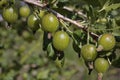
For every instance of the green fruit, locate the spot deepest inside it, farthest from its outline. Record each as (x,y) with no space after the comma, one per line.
(60,40)
(27,36)
(42,13)
(10,15)
(3,3)
(24,11)
(33,22)
(50,23)
(89,52)
(102,20)
(101,65)
(107,41)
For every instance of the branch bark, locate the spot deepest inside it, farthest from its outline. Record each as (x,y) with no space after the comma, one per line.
(35,2)
(74,10)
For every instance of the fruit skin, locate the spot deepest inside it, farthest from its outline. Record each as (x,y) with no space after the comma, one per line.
(2,3)
(101,65)
(27,36)
(60,40)
(102,20)
(24,11)
(33,22)
(10,15)
(49,22)
(107,41)
(42,13)
(89,52)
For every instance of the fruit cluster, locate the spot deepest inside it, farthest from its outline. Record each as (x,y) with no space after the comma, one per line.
(106,42)
(49,23)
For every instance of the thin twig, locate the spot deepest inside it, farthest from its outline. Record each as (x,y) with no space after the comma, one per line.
(61,16)
(109,61)
(36,2)
(74,10)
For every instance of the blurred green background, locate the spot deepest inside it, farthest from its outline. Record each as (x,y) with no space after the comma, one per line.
(22,58)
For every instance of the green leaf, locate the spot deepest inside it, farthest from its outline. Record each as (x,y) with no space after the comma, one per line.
(112,7)
(102,2)
(59,63)
(91,13)
(107,7)
(76,48)
(46,41)
(50,50)
(116,32)
(93,2)
(78,37)
(117,20)
(77,34)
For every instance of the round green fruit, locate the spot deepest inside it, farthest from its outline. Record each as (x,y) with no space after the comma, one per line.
(33,22)
(101,65)
(49,23)
(24,11)
(42,13)
(27,36)
(89,52)
(102,20)
(10,15)
(60,40)
(3,3)
(107,41)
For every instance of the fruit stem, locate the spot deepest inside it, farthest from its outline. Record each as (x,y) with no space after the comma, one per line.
(100,48)
(64,25)
(100,76)
(88,36)
(90,67)
(109,60)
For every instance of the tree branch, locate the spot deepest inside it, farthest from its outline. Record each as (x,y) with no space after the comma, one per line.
(35,2)
(74,10)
